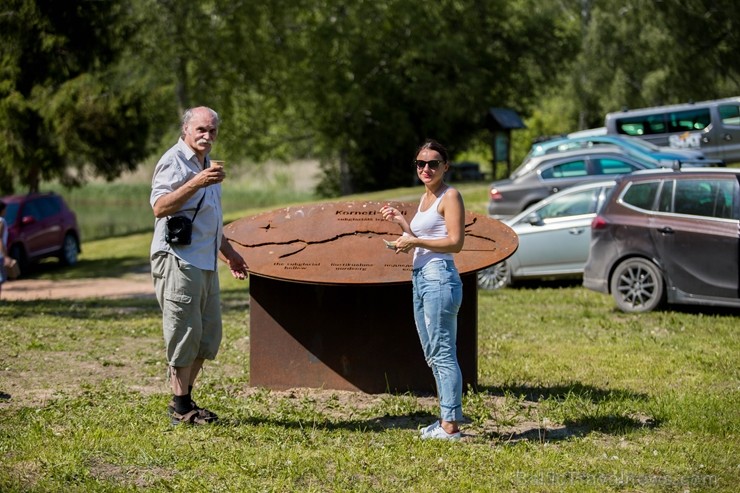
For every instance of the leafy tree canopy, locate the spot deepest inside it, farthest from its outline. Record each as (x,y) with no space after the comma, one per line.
(65,107)
(96,87)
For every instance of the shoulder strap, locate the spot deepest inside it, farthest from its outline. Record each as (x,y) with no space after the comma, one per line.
(199,202)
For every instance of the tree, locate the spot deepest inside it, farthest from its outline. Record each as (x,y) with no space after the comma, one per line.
(705,35)
(377,78)
(66,107)
(95,87)
(357,84)
(636,54)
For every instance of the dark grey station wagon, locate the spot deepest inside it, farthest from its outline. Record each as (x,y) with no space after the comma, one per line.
(668,236)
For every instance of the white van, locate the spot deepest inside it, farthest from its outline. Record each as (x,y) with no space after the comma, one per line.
(711,126)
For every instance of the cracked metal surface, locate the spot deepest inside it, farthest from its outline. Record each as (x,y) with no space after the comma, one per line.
(342,243)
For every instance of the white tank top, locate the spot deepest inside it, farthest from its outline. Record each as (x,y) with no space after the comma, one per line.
(429,225)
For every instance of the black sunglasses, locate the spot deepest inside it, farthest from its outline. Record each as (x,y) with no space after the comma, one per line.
(433,164)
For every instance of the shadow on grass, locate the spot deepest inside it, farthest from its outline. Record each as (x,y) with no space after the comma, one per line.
(97,308)
(538,393)
(235,299)
(411,421)
(591,405)
(87,269)
(534,284)
(523,432)
(721,311)
(112,308)
(611,425)
(530,284)
(582,398)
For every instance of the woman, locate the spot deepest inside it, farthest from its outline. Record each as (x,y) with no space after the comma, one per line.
(435,233)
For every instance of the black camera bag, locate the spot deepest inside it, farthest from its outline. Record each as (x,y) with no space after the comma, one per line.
(179,229)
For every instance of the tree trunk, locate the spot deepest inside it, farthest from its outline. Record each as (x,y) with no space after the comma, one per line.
(33,179)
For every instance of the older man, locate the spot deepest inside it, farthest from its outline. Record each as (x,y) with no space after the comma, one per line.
(184,269)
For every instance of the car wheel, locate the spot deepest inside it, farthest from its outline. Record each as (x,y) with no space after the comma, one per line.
(637,286)
(69,251)
(19,255)
(495,277)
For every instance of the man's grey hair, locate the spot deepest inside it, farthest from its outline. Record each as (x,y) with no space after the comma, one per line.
(189,114)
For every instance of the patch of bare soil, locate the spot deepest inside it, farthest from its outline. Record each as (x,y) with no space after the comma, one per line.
(68,373)
(133,285)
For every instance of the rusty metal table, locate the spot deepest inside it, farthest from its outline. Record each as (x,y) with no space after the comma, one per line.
(331,306)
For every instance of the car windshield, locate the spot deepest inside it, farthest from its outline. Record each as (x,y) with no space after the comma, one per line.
(543,147)
(10,213)
(524,168)
(573,204)
(538,149)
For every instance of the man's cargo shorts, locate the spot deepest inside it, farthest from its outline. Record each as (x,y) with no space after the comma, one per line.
(191,309)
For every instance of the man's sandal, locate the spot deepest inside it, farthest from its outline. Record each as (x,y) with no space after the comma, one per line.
(208,416)
(191,417)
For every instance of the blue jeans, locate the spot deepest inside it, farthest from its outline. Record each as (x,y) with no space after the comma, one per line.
(437,299)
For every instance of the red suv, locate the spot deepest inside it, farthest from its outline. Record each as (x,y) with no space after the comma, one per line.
(41,225)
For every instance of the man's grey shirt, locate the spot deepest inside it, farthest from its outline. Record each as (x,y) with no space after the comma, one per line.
(176,167)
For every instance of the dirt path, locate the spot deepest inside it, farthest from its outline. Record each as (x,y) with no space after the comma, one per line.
(133,285)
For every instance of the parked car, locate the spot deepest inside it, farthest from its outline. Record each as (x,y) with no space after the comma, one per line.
(461,171)
(544,175)
(641,149)
(554,237)
(41,225)
(711,126)
(668,236)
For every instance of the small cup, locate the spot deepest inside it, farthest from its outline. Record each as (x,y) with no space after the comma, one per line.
(215,162)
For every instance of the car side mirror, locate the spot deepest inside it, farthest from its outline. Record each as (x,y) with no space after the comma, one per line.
(534,219)
(28,220)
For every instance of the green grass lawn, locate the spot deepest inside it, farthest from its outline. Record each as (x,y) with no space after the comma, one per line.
(573,396)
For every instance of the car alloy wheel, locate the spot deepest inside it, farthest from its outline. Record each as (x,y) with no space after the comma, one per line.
(637,285)
(495,277)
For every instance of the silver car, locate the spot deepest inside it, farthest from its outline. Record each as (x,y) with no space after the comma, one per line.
(554,237)
(544,175)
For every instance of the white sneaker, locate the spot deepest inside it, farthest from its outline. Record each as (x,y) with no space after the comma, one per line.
(439,433)
(429,428)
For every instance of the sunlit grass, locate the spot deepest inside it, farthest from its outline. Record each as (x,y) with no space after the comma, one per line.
(572,395)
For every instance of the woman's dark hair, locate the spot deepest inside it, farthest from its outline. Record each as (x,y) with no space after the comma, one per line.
(433,145)
(2,206)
